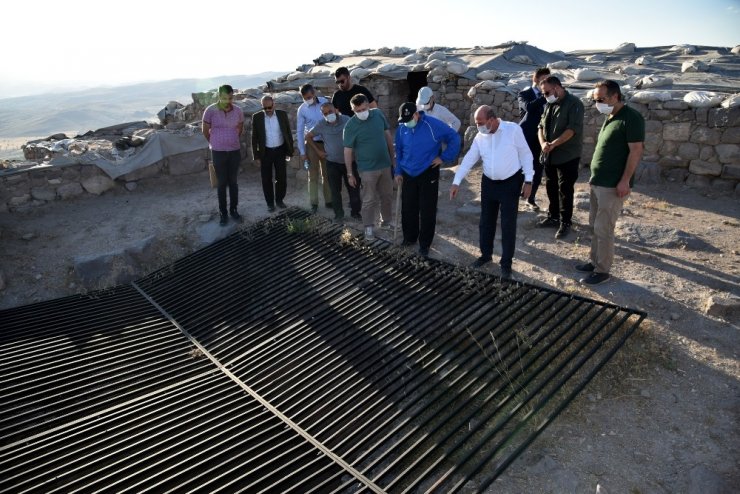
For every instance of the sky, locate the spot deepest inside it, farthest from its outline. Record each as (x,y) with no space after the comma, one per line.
(62,45)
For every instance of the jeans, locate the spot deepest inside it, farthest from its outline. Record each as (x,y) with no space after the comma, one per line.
(274,158)
(503,195)
(419,206)
(337,173)
(560,183)
(226,164)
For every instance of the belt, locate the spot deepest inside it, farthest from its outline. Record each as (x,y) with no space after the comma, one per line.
(272,149)
(518,172)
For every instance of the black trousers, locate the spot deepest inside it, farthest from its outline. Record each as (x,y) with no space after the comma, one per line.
(226,164)
(337,173)
(560,183)
(419,206)
(537,180)
(274,190)
(500,195)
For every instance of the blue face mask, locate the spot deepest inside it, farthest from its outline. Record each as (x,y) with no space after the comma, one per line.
(410,124)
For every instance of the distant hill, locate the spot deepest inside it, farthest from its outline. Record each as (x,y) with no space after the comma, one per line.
(80,111)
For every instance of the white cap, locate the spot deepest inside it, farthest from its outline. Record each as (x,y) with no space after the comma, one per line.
(425,94)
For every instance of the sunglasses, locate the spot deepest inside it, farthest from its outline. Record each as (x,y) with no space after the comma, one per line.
(341,81)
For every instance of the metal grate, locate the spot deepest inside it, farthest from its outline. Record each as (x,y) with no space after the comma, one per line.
(328,365)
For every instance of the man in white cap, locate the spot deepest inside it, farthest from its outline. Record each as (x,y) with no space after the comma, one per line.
(425,102)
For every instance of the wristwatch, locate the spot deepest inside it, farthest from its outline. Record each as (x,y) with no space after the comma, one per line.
(527,183)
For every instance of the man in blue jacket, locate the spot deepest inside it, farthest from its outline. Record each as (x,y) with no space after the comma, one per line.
(419,154)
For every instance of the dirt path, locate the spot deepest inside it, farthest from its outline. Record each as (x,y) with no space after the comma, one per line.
(661,417)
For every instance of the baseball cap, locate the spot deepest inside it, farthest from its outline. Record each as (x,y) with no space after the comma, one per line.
(425,94)
(406,112)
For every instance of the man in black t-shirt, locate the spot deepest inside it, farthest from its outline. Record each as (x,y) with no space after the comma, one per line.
(346,90)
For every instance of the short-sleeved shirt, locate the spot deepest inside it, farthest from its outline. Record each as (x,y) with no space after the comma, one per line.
(612,146)
(332,135)
(367,139)
(341,99)
(224,127)
(556,119)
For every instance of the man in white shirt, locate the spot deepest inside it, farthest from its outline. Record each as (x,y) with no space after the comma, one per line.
(425,102)
(308,115)
(507,162)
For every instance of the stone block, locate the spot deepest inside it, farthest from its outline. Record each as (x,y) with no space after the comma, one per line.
(673,131)
(699,167)
(89,171)
(71,173)
(688,150)
(647,173)
(499,98)
(675,104)
(728,153)
(731,135)
(483,99)
(731,172)
(676,175)
(661,115)
(698,181)
(454,97)
(653,127)
(683,116)
(707,153)
(722,185)
(706,135)
(55,181)
(68,191)
(186,163)
(97,184)
(671,162)
(43,193)
(19,200)
(701,115)
(146,172)
(653,142)
(724,117)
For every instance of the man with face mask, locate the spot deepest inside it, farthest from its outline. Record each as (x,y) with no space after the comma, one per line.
(531,104)
(222,125)
(330,129)
(561,139)
(308,115)
(507,162)
(425,102)
(367,137)
(619,148)
(419,153)
(272,142)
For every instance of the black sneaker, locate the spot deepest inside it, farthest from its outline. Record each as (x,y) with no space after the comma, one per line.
(549,223)
(586,268)
(271,208)
(224,219)
(407,243)
(481,261)
(505,273)
(595,278)
(281,205)
(236,216)
(314,208)
(424,251)
(563,230)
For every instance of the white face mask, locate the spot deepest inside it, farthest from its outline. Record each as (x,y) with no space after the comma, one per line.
(331,118)
(604,108)
(551,99)
(483,129)
(362,115)
(421,107)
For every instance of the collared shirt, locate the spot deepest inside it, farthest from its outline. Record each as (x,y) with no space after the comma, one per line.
(273,136)
(612,146)
(332,137)
(536,90)
(503,153)
(441,113)
(308,117)
(224,127)
(556,119)
(367,139)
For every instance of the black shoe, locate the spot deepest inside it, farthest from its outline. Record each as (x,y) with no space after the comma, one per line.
(237,217)
(271,208)
(281,205)
(424,251)
(329,205)
(505,273)
(549,223)
(481,261)
(314,208)
(586,268)
(224,219)
(357,216)
(563,230)
(339,220)
(407,243)
(533,206)
(595,278)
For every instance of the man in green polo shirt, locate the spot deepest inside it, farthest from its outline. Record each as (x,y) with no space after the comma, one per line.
(561,139)
(618,151)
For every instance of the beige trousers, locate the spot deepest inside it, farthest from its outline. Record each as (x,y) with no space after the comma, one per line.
(317,167)
(377,190)
(605,209)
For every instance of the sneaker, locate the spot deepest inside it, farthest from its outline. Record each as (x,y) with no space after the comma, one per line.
(237,217)
(281,205)
(505,273)
(586,268)
(424,251)
(549,223)
(595,278)
(563,230)
(369,232)
(480,262)
(224,219)
(532,206)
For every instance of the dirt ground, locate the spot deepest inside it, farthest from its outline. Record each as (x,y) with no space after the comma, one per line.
(662,416)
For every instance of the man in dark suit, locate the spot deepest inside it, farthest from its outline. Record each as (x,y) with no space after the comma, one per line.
(272,142)
(531,105)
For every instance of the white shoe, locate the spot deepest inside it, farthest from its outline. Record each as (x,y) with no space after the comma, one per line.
(369,232)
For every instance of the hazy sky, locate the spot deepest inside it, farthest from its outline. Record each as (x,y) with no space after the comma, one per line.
(58,44)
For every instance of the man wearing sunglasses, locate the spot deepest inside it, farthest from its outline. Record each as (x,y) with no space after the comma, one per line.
(346,90)
(272,142)
(619,148)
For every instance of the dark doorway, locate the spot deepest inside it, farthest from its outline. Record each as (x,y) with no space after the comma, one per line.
(416,80)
